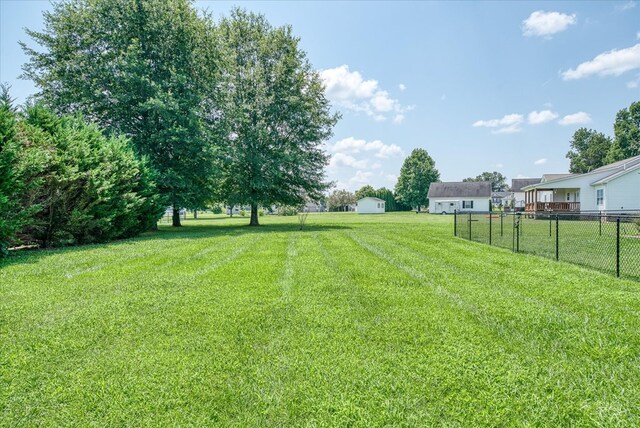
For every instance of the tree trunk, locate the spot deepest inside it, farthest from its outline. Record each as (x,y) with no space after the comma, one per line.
(254,215)
(176,216)
(195,214)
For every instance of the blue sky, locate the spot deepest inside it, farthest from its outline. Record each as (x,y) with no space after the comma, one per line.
(481,86)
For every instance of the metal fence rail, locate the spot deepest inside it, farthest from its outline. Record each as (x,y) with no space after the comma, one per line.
(606,241)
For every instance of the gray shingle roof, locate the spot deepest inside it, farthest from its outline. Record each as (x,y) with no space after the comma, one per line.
(518,183)
(472,189)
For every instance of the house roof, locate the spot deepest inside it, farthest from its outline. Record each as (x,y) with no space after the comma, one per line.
(371,197)
(469,189)
(614,171)
(500,194)
(518,183)
(551,177)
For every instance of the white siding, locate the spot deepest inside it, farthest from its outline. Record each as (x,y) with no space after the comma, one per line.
(449,204)
(623,193)
(370,206)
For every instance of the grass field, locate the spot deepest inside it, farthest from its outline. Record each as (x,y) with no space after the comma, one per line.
(582,240)
(355,321)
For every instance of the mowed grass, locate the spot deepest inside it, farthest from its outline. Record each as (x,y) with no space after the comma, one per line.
(354,321)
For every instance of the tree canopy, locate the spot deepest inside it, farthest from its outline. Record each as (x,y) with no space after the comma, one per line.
(365,191)
(589,150)
(498,181)
(145,69)
(339,200)
(416,175)
(626,130)
(277,113)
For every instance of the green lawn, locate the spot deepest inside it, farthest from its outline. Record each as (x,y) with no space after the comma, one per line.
(586,241)
(355,321)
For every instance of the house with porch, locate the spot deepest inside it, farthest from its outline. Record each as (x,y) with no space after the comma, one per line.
(612,187)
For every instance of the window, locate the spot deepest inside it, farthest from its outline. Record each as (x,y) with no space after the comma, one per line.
(467,204)
(568,197)
(600,197)
(378,204)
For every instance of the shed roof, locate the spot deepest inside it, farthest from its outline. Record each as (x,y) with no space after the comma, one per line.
(468,189)
(371,197)
(518,183)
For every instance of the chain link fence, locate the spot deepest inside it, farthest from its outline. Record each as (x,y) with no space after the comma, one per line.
(606,241)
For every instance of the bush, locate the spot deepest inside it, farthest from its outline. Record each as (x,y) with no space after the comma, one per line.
(217,209)
(78,186)
(243,213)
(12,217)
(287,210)
(260,212)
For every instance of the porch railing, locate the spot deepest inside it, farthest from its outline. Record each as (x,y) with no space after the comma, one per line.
(553,206)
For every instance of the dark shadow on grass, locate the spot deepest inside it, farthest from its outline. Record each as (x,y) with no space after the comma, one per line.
(189,231)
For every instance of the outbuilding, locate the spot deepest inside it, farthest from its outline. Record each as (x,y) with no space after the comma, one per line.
(447,197)
(370,205)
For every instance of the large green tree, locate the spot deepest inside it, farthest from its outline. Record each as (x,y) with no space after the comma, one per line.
(626,129)
(364,191)
(146,69)
(589,150)
(339,200)
(277,113)
(11,214)
(416,175)
(498,181)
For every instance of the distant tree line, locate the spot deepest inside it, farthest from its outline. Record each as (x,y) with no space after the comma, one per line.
(591,149)
(227,111)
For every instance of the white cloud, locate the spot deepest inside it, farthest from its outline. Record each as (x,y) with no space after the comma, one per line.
(611,63)
(539,117)
(522,176)
(499,166)
(392,178)
(540,161)
(399,118)
(341,159)
(626,6)
(635,83)
(348,89)
(509,119)
(361,177)
(509,124)
(579,118)
(511,129)
(352,145)
(541,23)
(638,35)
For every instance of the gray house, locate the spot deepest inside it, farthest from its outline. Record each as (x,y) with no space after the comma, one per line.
(447,197)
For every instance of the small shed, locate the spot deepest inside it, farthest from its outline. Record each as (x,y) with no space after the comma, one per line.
(447,197)
(370,205)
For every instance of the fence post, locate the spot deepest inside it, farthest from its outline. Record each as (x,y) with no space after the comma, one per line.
(600,216)
(469,225)
(490,217)
(513,234)
(455,222)
(518,224)
(618,247)
(550,224)
(557,238)
(501,221)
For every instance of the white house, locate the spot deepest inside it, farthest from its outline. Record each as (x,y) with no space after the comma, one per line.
(370,205)
(612,187)
(447,197)
(518,194)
